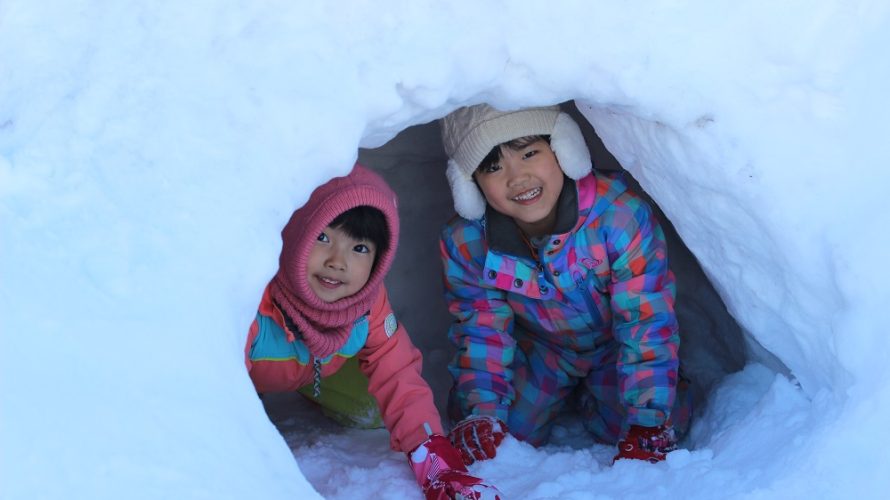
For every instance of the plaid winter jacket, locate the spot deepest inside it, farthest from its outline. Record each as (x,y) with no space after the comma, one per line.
(599,290)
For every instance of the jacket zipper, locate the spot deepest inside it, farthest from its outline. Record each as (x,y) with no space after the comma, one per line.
(588,297)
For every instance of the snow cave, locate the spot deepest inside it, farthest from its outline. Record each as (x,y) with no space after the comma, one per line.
(413,163)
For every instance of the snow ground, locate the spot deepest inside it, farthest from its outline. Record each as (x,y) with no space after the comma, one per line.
(343,463)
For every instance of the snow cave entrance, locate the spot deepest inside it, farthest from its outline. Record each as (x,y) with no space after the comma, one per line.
(413,162)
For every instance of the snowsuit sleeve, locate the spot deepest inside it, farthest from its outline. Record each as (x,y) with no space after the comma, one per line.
(482,329)
(644,324)
(393,367)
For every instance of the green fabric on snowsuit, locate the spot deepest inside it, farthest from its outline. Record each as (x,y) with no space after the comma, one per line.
(344,398)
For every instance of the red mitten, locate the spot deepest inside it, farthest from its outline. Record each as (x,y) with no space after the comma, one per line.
(647,443)
(441,474)
(477,437)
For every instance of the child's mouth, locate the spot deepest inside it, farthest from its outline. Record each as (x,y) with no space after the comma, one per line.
(529,196)
(329,282)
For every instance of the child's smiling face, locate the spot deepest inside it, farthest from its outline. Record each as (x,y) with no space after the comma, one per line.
(339,265)
(524,184)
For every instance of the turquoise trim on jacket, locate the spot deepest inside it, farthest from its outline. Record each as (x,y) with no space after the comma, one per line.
(271,343)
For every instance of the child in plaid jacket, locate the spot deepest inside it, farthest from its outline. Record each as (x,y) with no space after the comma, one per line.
(559,283)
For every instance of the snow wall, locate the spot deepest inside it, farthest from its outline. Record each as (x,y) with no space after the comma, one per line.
(149,155)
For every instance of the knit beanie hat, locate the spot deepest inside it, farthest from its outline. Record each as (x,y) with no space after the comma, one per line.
(325,326)
(470,133)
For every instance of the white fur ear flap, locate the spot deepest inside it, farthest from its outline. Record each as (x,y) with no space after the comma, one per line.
(568,144)
(468,200)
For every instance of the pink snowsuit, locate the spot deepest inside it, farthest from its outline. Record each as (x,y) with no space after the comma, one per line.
(387,357)
(297,338)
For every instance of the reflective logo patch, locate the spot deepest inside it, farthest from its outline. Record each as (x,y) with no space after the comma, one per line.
(390,325)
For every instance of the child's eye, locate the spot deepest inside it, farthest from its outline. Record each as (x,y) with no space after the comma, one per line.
(323,238)
(490,168)
(529,154)
(361,248)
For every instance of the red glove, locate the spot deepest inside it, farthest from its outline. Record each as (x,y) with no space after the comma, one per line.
(441,474)
(647,443)
(477,437)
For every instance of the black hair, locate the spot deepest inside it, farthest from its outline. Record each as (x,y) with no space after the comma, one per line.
(365,223)
(516,144)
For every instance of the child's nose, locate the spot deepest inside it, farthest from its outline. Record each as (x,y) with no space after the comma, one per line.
(516,175)
(335,260)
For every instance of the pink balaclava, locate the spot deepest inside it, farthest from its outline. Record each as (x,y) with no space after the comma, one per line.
(325,326)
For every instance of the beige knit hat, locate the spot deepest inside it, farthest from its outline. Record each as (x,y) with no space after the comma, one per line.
(470,133)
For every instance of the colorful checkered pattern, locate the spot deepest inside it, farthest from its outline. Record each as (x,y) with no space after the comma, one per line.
(594,314)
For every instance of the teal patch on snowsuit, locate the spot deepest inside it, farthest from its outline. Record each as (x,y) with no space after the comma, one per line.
(271,343)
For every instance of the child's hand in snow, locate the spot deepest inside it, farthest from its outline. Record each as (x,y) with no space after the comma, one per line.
(647,443)
(441,473)
(477,437)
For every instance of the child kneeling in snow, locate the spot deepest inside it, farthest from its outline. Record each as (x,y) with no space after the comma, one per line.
(327,304)
(559,282)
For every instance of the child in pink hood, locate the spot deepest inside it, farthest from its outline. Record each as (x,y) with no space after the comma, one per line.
(327,304)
